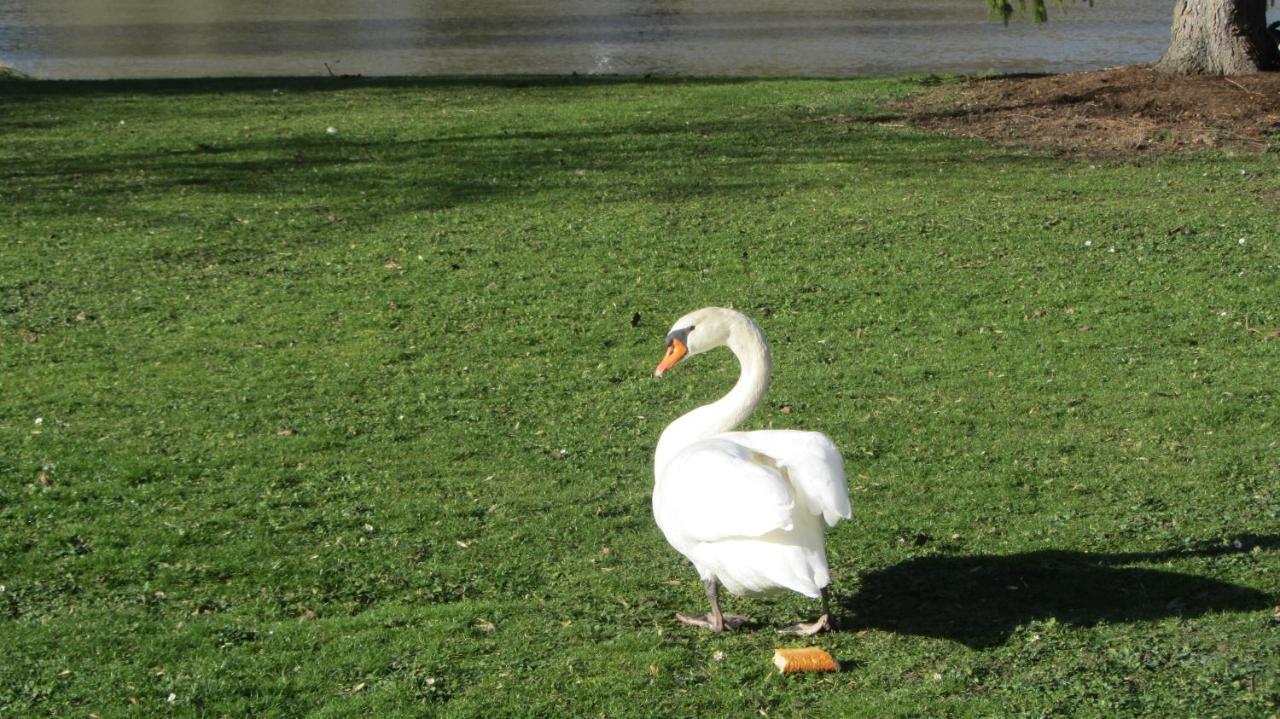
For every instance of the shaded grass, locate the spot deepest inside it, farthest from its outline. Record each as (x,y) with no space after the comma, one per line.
(361,423)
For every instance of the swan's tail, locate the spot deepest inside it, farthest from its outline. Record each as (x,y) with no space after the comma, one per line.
(794,559)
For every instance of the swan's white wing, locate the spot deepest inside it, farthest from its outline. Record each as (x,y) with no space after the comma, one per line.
(714,489)
(811,461)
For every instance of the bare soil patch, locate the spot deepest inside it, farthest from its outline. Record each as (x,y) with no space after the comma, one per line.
(1123,111)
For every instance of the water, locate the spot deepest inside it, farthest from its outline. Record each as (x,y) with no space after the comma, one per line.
(94,39)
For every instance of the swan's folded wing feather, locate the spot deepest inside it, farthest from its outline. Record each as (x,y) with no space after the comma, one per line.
(811,461)
(714,490)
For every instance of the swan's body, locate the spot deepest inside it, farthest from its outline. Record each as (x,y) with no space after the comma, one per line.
(748,509)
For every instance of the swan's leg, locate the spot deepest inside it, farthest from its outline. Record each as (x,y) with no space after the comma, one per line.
(716,621)
(823,624)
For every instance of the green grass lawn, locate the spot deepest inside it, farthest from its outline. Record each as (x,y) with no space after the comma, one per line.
(361,423)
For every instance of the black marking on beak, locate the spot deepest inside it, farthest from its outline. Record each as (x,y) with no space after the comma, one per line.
(681,334)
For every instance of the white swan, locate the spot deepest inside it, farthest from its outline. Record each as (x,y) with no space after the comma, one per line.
(747,508)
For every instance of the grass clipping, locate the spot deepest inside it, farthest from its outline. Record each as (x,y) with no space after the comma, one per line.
(806,659)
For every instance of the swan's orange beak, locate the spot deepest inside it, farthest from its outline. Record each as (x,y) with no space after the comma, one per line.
(675,351)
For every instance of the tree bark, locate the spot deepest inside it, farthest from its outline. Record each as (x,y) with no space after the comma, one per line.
(1220,37)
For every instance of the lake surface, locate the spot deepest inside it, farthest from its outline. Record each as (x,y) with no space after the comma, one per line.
(96,39)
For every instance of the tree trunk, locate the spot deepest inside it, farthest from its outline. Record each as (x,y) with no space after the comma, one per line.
(1220,37)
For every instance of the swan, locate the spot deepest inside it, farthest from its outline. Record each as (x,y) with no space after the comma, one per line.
(746,508)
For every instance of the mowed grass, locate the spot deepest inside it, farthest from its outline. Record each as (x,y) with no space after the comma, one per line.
(361,424)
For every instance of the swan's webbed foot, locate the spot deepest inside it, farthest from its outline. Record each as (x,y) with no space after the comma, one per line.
(716,623)
(824,623)
(807,630)
(716,620)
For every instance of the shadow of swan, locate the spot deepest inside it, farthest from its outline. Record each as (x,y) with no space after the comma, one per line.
(980,600)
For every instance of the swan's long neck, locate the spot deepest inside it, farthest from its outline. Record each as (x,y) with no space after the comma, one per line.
(748,345)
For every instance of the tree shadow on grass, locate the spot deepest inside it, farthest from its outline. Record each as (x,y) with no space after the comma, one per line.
(980,600)
(424,166)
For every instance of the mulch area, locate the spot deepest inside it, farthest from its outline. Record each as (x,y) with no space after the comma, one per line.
(1124,111)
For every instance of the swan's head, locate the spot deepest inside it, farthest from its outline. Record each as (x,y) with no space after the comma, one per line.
(696,332)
